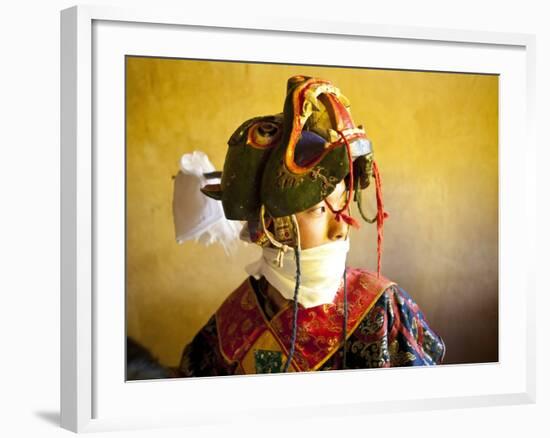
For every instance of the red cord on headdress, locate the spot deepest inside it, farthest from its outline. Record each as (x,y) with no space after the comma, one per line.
(341,214)
(381,215)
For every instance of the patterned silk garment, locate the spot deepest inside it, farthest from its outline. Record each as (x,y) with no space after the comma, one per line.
(385,328)
(393,334)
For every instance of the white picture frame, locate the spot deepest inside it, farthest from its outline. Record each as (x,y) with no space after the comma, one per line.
(93,397)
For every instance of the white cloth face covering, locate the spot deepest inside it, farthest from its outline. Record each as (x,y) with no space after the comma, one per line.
(321,268)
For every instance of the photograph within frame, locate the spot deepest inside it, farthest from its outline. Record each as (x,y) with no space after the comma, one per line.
(435,137)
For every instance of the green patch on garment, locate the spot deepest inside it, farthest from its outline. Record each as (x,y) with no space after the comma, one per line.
(268,361)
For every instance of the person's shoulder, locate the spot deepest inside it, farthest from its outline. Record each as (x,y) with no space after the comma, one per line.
(367,279)
(386,290)
(366,288)
(241,292)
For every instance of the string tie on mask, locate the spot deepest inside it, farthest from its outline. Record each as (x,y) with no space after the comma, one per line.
(281,247)
(342,214)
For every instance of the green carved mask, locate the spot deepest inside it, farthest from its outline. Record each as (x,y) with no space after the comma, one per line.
(291,161)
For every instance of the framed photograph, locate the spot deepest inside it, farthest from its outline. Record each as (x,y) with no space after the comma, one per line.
(448,115)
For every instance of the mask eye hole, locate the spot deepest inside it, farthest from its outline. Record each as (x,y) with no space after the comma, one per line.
(264,134)
(267,129)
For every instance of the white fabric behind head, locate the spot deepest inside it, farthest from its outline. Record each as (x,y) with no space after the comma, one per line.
(196,216)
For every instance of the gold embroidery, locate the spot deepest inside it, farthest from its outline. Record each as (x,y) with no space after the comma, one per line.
(302,335)
(399,358)
(374,354)
(247,302)
(374,322)
(232,328)
(246,326)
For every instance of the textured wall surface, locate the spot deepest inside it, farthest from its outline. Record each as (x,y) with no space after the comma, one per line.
(436,142)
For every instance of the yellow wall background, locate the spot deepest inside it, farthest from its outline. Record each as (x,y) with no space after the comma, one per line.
(436,142)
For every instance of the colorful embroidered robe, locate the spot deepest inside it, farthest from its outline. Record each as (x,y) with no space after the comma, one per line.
(385,328)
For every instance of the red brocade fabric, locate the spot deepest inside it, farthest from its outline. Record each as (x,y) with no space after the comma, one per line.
(385,328)
(241,322)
